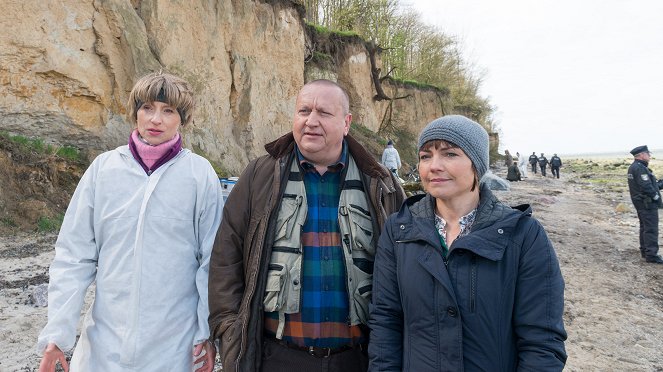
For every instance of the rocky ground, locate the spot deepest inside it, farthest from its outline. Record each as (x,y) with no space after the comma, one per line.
(614,301)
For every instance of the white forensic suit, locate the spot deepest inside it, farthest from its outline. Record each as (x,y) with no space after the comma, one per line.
(146,240)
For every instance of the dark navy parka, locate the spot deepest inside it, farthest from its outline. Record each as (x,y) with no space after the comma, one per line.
(495,304)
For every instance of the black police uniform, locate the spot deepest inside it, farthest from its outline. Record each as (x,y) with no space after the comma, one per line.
(555,163)
(533,160)
(646,198)
(543,162)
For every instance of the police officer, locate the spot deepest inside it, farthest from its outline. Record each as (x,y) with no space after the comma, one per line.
(533,160)
(646,198)
(543,163)
(555,164)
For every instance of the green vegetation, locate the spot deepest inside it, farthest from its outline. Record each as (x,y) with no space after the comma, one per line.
(8,222)
(49,224)
(411,51)
(321,57)
(325,31)
(37,145)
(69,153)
(418,84)
(220,170)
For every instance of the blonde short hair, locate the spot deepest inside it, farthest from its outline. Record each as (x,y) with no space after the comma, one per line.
(162,87)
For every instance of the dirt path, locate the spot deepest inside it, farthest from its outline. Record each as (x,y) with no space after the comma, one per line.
(614,301)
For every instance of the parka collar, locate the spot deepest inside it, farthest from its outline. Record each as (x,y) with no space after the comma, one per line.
(490,234)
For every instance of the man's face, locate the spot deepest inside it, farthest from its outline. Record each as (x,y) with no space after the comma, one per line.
(644,156)
(320,123)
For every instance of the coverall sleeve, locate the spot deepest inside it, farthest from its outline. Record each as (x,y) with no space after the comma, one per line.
(385,350)
(398,159)
(539,304)
(208,219)
(74,267)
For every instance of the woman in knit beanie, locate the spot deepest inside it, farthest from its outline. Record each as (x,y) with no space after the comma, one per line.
(462,281)
(141,225)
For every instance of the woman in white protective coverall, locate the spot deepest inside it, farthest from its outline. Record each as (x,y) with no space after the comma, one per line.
(141,223)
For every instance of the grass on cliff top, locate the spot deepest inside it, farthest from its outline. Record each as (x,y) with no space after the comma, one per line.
(324,31)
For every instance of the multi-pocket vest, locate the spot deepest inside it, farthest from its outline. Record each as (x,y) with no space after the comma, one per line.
(358,241)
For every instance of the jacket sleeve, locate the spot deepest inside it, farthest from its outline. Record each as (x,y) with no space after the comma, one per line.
(385,350)
(398,159)
(208,219)
(539,304)
(384,156)
(226,271)
(74,267)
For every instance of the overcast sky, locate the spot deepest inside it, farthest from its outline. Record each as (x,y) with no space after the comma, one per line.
(567,76)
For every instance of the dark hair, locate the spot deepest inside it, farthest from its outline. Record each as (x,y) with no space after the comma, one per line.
(437,144)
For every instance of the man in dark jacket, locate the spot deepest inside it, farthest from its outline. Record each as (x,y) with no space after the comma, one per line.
(555,164)
(533,161)
(646,198)
(543,163)
(292,264)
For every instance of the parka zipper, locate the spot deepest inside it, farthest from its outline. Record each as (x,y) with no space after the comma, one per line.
(473,283)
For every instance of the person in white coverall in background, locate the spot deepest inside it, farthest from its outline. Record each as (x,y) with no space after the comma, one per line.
(141,223)
(390,158)
(522,164)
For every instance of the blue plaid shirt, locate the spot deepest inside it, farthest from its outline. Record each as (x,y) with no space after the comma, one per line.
(323,320)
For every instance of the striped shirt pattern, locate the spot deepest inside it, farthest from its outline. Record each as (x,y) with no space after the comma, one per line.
(323,320)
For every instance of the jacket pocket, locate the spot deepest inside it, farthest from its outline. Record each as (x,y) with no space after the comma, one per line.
(274,291)
(291,218)
(361,228)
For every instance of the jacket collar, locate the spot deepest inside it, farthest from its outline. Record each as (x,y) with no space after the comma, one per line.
(494,225)
(285,145)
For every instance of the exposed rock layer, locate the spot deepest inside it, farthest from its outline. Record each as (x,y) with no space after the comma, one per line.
(66,69)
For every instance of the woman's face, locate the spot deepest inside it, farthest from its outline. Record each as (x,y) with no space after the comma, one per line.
(446,172)
(157,122)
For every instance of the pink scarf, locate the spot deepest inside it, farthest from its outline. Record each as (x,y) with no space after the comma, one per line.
(149,155)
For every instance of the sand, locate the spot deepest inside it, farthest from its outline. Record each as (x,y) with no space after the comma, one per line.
(613,299)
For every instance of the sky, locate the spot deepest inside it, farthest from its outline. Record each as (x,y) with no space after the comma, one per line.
(565,76)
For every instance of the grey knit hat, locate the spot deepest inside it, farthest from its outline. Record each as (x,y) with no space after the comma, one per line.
(462,132)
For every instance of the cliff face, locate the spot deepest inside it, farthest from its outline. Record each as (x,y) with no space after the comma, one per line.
(66,69)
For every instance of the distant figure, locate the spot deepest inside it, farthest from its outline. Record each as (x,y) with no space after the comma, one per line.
(533,161)
(390,158)
(646,198)
(555,164)
(543,163)
(513,173)
(522,164)
(508,158)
